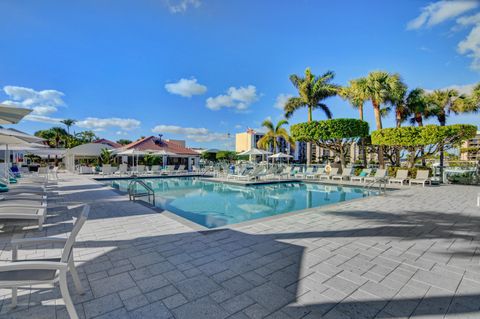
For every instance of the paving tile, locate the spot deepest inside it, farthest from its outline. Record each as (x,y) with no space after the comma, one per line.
(237,303)
(102,305)
(203,308)
(151,311)
(174,301)
(111,284)
(197,287)
(152,283)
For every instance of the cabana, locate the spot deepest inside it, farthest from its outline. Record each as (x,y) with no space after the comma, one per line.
(84,151)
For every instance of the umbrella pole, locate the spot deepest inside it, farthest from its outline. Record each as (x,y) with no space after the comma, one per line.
(5,163)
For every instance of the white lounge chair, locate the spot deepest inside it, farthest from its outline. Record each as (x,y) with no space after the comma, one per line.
(401,177)
(346,174)
(363,174)
(421,178)
(333,172)
(24,211)
(26,273)
(320,171)
(122,170)
(379,175)
(304,174)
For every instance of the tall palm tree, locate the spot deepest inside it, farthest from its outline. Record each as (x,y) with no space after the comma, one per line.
(59,135)
(274,132)
(417,106)
(87,136)
(381,88)
(312,90)
(68,123)
(355,93)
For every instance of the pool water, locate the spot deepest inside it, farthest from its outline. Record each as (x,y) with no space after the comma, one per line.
(214,204)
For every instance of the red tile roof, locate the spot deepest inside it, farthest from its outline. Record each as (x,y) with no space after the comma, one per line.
(154,143)
(108,142)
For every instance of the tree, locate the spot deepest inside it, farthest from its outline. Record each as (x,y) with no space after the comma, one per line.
(312,90)
(336,135)
(106,156)
(226,156)
(86,136)
(417,106)
(47,135)
(382,88)
(270,139)
(124,141)
(424,141)
(68,123)
(355,93)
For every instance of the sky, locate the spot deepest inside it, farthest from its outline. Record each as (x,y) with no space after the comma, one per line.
(203,70)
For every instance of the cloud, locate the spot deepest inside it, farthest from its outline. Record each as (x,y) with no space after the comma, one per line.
(438,12)
(178,130)
(186,87)
(98,124)
(42,119)
(238,98)
(196,134)
(179,6)
(238,126)
(462,89)
(470,46)
(41,102)
(281,100)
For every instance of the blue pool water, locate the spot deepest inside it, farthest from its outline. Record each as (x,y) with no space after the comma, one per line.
(214,204)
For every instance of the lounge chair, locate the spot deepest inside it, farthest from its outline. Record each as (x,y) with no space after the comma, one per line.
(242,173)
(320,171)
(122,170)
(363,174)
(401,177)
(346,174)
(308,171)
(380,174)
(421,178)
(333,172)
(24,211)
(255,173)
(180,170)
(155,169)
(26,273)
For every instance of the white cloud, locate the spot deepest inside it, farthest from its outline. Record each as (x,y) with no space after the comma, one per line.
(179,6)
(462,89)
(186,87)
(470,46)
(41,102)
(438,12)
(238,98)
(178,130)
(238,126)
(98,124)
(281,100)
(196,134)
(42,119)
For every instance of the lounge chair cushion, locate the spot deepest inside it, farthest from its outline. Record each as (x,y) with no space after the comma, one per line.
(363,174)
(3,189)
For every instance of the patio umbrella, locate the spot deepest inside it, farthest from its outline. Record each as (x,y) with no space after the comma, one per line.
(133,152)
(255,151)
(12,115)
(165,154)
(281,155)
(12,136)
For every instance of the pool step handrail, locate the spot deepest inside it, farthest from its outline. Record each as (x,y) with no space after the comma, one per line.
(380,181)
(132,194)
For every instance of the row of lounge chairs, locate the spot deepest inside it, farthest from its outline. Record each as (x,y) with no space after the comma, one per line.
(27,199)
(401,177)
(123,170)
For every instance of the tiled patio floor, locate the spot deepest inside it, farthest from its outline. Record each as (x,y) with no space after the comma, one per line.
(412,253)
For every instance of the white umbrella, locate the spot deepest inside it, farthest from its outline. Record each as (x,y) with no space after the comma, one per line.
(255,151)
(133,152)
(280,155)
(162,153)
(12,115)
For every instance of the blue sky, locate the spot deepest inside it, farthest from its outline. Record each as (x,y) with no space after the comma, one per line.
(199,69)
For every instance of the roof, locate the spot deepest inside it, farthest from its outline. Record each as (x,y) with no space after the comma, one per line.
(88,150)
(155,143)
(108,142)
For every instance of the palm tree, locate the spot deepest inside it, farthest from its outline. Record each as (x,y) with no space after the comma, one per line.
(382,88)
(312,90)
(417,106)
(356,95)
(47,135)
(270,139)
(86,136)
(59,135)
(68,123)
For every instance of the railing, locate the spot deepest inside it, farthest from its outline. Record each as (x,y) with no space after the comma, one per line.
(380,182)
(133,194)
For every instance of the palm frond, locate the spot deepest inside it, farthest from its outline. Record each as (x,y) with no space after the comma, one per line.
(293,104)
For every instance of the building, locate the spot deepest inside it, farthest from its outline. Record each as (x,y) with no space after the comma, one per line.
(470,149)
(183,155)
(108,142)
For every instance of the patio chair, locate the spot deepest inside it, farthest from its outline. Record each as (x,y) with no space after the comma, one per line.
(421,178)
(122,169)
(155,169)
(363,174)
(180,170)
(401,177)
(346,174)
(17,210)
(106,169)
(26,273)
(140,169)
(317,173)
(333,172)
(308,171)
(380,174)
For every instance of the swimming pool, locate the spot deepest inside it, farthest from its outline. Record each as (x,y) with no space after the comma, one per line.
(213,204)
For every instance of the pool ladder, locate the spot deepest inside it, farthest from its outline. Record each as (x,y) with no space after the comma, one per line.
(133,194)
(382,185)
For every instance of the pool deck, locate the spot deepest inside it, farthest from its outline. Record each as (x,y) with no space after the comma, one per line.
(411,253)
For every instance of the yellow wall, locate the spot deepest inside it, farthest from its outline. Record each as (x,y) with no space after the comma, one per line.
(243,142)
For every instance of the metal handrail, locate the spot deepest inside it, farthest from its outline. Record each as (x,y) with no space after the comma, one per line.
(380,181)
(132,191)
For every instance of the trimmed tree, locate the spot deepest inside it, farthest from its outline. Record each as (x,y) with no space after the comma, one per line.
(336,135)
(429,138)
